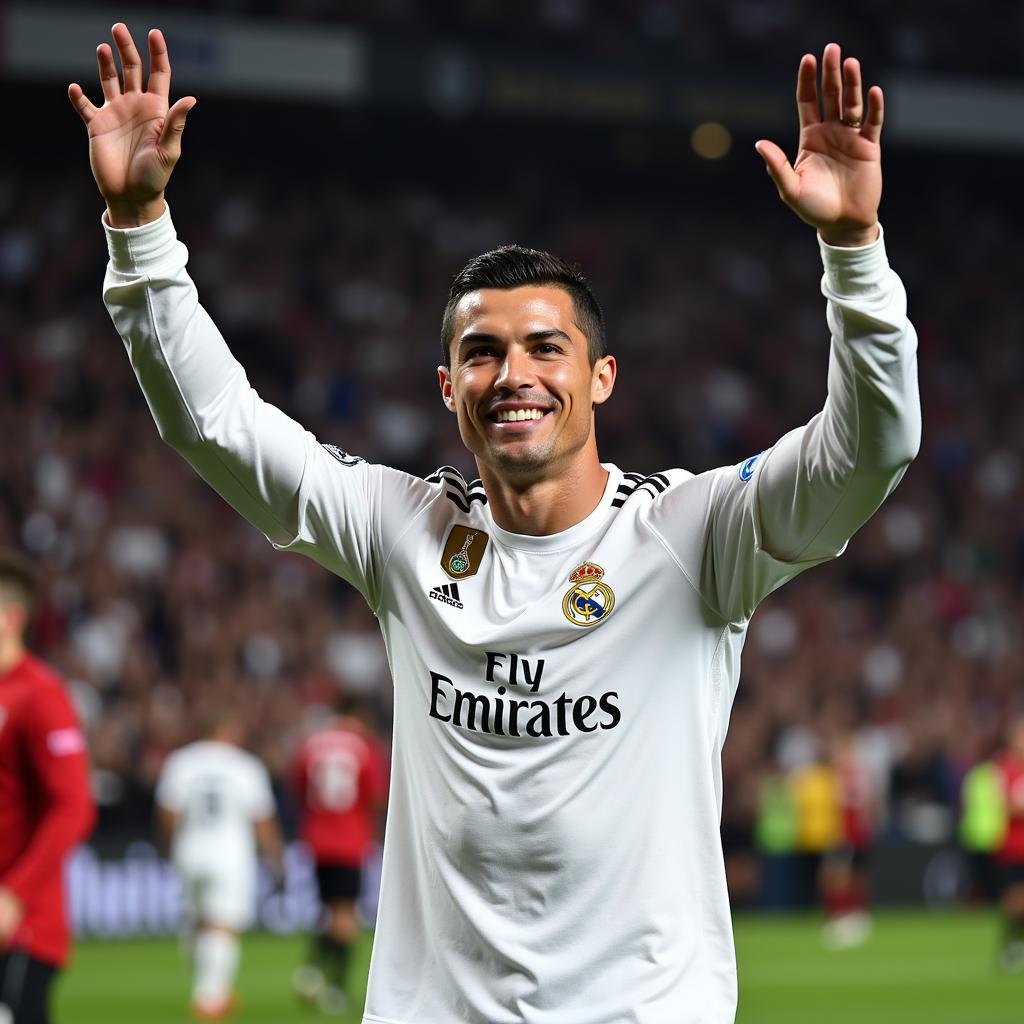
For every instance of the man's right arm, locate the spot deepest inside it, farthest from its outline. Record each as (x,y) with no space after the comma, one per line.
(203,405)
(250,452)
(267,466)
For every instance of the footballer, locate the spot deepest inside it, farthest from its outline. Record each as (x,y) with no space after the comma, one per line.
(564,635)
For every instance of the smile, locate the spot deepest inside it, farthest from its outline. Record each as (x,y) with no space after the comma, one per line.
(517,415)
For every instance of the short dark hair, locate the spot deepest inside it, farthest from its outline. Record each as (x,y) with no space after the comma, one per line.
(221,712)
(513,266)
(346,703)
(19,582)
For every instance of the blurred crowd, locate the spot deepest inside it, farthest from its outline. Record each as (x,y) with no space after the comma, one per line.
(925,35)
(160,598)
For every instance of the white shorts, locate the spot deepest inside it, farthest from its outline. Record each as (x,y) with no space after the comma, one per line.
(218,890)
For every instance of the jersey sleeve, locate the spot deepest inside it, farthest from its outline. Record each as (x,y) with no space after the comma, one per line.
(57,760)
(170,787)
(302,495)
(799,502)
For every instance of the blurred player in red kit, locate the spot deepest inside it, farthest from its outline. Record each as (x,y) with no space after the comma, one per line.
(845,886)
(340,779)
(1010,855)
(45,807)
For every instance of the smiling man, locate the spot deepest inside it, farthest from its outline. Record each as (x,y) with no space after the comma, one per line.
(564,636)
(524,365)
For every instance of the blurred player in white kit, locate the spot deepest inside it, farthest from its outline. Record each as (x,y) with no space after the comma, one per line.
(215,809)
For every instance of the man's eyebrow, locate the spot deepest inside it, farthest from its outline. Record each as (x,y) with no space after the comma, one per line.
(551,332)
(482,337)
(478,337)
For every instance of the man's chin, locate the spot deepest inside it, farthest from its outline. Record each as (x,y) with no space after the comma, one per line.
(519,458)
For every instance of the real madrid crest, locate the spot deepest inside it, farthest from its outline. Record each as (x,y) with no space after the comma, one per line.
(589,600)
(463,552)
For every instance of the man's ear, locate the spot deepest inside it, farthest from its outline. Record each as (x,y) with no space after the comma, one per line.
(602,380)
(444,378)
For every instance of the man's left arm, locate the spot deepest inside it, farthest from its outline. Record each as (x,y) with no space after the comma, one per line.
(819,484)
(59,762)
(801,501)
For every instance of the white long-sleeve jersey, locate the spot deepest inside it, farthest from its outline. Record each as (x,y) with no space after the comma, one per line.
(552,851)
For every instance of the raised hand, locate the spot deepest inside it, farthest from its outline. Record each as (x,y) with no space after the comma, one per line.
(835,183)
(134,139)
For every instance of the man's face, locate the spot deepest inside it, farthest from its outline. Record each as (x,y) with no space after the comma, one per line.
(12,620)
(520,381)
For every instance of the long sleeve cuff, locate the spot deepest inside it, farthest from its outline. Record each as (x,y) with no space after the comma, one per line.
(144,249)
(853,272)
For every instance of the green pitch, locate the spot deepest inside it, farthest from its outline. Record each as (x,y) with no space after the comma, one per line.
(915,969)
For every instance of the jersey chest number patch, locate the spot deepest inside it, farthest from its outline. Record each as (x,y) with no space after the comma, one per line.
(463,552)
(589,600)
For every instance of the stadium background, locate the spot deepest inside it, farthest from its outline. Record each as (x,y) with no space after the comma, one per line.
(343,161)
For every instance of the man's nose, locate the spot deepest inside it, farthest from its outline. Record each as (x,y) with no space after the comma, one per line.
(516,370)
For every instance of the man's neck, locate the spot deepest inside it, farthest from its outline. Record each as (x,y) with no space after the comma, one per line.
(11,652)
(541,507)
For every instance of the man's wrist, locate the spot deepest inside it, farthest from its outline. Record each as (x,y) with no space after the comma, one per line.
(146,248)
(851,272)
(849,238)
(134,215)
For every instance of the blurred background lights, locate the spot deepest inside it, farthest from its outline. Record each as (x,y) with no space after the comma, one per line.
(711,140)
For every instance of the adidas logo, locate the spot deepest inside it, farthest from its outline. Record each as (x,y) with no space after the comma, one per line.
(447,594)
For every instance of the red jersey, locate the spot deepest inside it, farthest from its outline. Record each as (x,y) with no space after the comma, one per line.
(46,804)
(340,778)
(855,797)
(1011,770)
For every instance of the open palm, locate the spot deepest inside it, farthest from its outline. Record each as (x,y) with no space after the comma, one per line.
(835,183)
(134,138)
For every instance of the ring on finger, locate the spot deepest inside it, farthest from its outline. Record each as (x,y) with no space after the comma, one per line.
(853,122)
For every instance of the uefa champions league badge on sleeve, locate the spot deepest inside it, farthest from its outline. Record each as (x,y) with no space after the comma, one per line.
(746,469)
(590,600)
(463,552)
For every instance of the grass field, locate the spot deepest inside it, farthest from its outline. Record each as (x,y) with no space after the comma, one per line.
(916,969)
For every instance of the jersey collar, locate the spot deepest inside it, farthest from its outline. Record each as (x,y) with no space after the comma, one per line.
(566,538)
